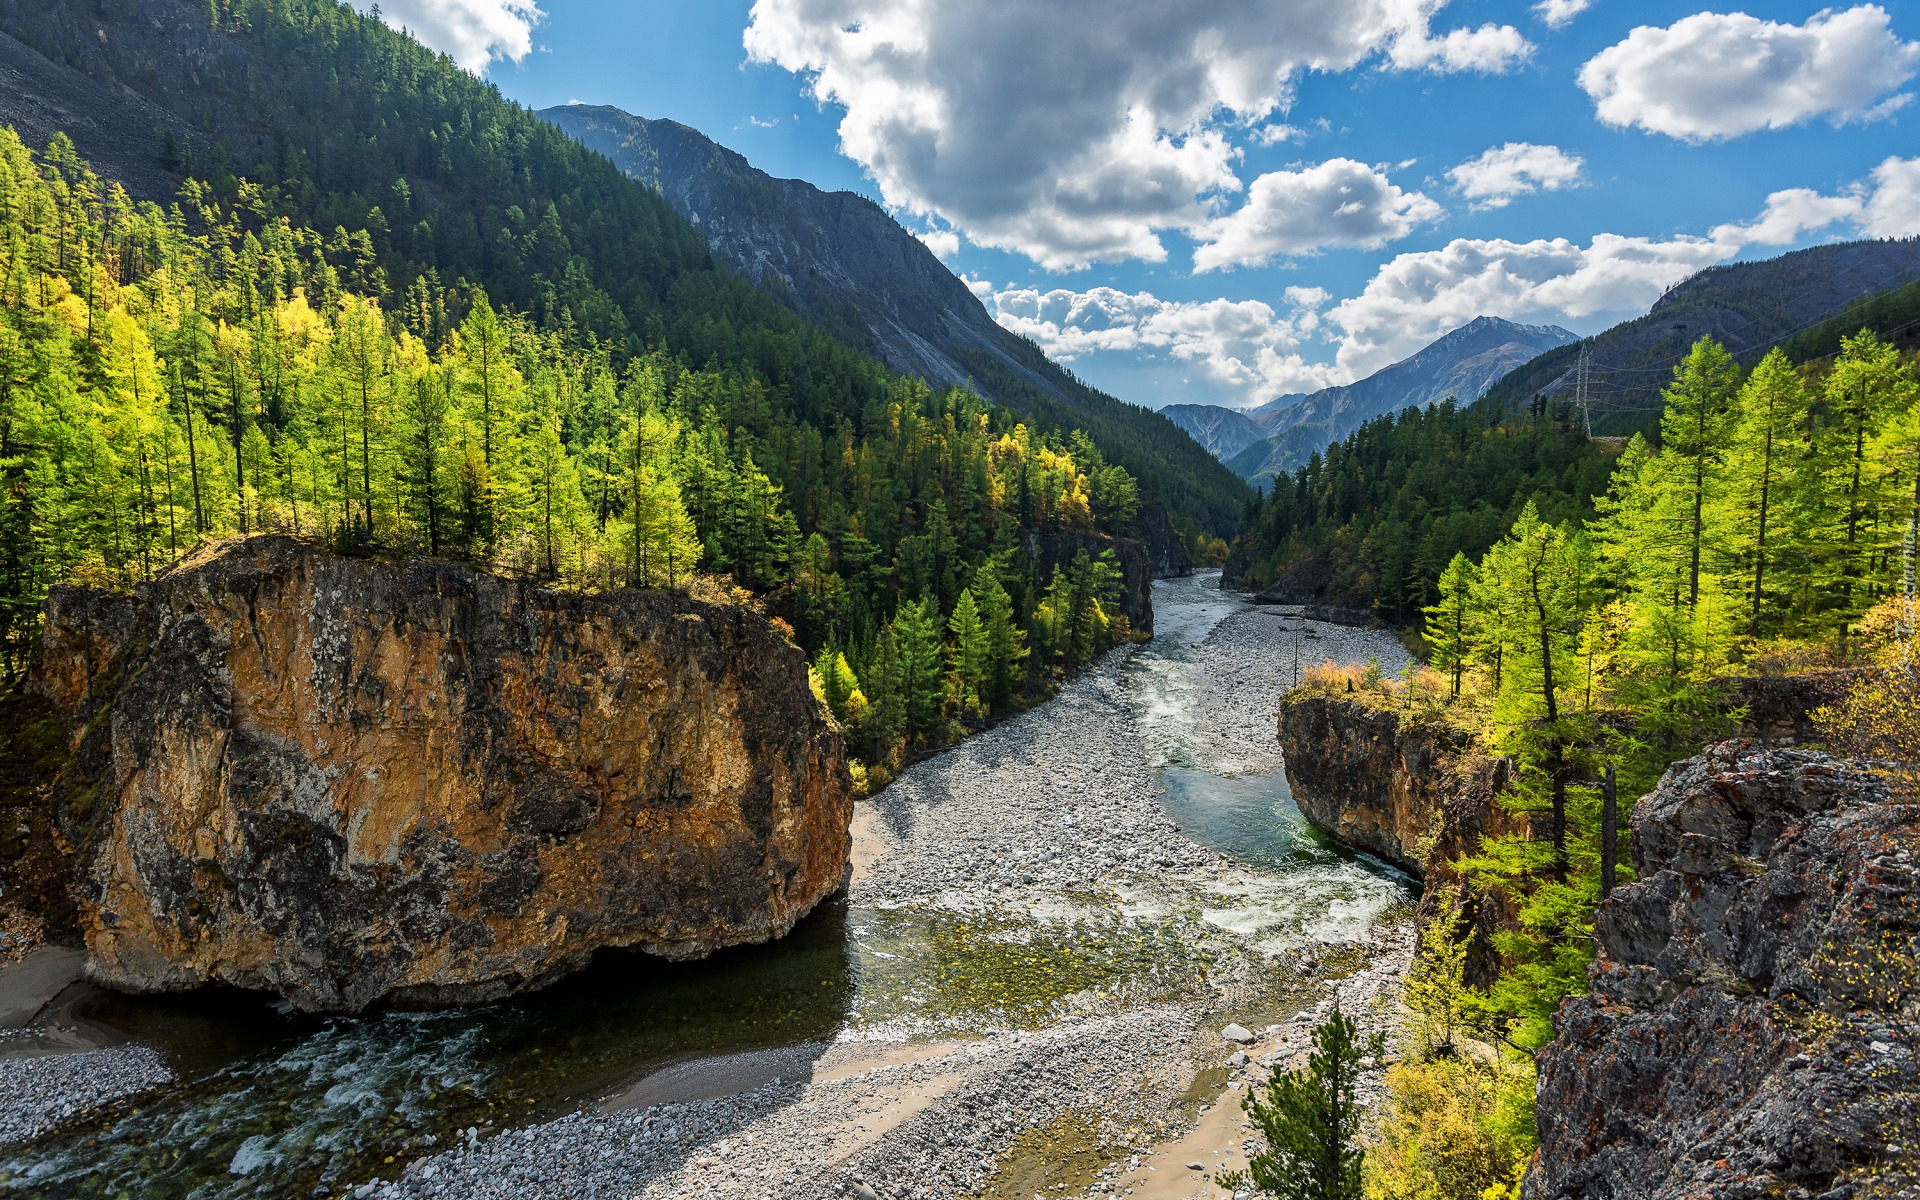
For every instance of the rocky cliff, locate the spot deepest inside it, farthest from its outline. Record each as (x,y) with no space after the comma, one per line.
(1417,794)
(1752,1026)
(350,781)
(1163,546)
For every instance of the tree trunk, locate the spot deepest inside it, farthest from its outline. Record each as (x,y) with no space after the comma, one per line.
(1760,544)
(1699,508)
(1559,817)
(193,461)
(1609,830)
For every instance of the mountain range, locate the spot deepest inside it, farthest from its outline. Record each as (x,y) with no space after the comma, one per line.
(1748,307)
(1281,435)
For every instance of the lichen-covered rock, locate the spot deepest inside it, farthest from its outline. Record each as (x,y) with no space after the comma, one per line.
(350,781)
(1751,1029)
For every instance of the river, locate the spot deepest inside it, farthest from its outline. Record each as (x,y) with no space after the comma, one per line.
(275,1104)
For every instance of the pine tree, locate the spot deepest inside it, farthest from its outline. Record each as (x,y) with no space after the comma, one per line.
(887,699)
(423,436)
(1772,416)
(1436,988)
(1868,386)
(1450,622)
(1311,1120)
(491,383)
(970,654)
(1694,432)
(1006,641)
(554,482)
(918,641)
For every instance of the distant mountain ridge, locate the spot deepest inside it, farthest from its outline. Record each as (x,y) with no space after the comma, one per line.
(1282,434)
(844,263)
(1747,307)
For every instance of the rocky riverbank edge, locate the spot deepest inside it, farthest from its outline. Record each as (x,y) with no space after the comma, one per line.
(1141,1102)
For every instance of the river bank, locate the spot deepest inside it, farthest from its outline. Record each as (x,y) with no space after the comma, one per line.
(1122,862)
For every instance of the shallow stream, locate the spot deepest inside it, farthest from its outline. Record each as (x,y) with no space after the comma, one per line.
(272,1104)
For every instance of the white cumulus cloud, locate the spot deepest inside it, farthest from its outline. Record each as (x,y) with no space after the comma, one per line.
(1558,14)
(473,33)
(944,243)
(1245,346)
(1074,135)
(1339,203)
(1260,351)
(1885,204)
(1892,209)
(1493,179)
(1417,297)
(1790,215)
(1490,49)
(1718,75)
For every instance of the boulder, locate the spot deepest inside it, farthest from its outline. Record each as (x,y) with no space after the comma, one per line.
(350,781)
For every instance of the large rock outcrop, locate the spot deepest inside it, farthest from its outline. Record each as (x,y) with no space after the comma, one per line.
(1751,1028)
(1164,550)
(1418,794)
(350,781)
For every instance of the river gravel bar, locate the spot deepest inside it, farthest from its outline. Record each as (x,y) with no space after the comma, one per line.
(1055,811)
(46,1091)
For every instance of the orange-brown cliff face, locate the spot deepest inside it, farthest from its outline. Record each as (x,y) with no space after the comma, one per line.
(350,781)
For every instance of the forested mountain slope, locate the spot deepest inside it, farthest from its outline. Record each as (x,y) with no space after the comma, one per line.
(386,309)
(844,263)
(1463,364)
(1746,307)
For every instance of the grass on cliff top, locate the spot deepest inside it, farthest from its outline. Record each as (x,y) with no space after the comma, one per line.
(1420,696)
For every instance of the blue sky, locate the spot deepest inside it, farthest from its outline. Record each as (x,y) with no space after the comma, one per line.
(1224,200)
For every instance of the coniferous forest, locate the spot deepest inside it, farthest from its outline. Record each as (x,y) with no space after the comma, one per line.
(1377,520)
(212,370)
(1768,528)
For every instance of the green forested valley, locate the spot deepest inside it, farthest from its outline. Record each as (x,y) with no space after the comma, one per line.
(213,370)
(425,182)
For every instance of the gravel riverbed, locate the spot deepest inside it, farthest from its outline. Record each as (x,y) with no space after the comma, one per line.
(44,1091)
(1055,812)
(1049,829)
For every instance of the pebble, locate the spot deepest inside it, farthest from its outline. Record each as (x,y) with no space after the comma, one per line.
(43,1092)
